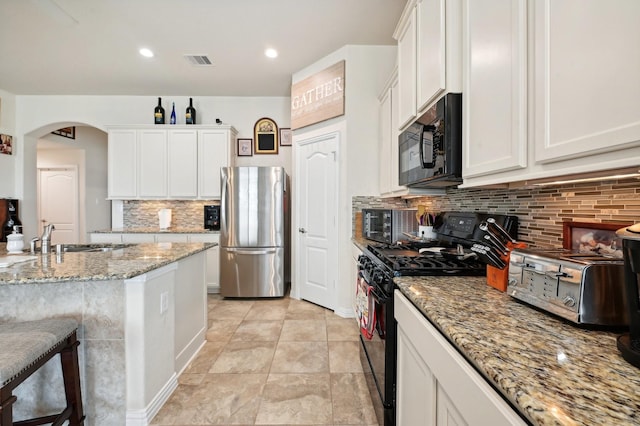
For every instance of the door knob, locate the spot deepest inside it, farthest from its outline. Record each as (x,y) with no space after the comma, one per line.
(302,230)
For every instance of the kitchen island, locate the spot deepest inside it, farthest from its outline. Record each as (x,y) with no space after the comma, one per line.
(143,316)
(550,371)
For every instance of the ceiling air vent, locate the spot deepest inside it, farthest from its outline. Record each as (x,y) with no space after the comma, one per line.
(199,60)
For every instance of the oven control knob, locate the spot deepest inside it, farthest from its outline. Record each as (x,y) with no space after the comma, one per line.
(569,301)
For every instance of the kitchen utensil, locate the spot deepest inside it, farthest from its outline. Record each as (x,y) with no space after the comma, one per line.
(496,245)
(419,214)
(487,253)
(500,229)
(458,253)
(492,237)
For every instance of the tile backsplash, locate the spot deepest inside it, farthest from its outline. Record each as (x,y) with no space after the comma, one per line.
(540,210)
(184,214)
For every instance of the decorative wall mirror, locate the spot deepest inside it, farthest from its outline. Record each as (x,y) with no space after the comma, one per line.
(265,137)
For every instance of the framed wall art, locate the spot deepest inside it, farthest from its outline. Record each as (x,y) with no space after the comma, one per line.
(595,238)
(245,147)
(265,133)
(6,144)
(67,132)
(285,136)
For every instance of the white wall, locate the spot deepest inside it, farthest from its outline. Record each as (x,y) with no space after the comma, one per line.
(7,127)
(367,68)
(36,116)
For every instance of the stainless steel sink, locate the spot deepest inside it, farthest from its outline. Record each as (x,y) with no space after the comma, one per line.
(76,248)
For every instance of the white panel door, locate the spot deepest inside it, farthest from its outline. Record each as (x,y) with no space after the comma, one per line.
(152,163)
(58,203)
(183,163)
(213,153)
(317,222)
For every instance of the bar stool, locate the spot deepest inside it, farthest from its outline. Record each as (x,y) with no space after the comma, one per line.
(27,346)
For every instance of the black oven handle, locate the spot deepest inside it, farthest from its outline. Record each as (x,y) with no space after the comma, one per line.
(377,294)
(427,128)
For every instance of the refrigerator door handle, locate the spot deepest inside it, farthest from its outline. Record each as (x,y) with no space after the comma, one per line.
(241,251)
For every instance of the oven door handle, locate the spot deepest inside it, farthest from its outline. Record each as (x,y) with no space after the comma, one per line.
(380,297)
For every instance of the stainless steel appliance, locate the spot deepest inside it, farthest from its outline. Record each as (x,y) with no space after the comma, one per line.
(253,232)
(377,266)
(629,343)
(212,217)
(388,225)
(431,147)
(584,288)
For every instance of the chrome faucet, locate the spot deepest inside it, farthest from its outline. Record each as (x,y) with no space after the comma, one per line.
(45,239)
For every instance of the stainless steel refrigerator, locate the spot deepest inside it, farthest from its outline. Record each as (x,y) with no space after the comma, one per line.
(254,232)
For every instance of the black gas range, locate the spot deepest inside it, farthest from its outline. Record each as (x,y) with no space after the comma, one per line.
(449,254)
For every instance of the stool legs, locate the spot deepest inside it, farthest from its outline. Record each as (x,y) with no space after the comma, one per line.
(68,350)
(71,374)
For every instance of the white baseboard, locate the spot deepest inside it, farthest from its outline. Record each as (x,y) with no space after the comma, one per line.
(144,417)
(213,289)
(344,312)
(190,350)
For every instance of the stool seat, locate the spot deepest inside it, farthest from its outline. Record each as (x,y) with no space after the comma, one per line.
(24,343)
(27,346)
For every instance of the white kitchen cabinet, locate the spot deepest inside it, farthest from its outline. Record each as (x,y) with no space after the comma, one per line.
(105,238)
(429,55)
(122,160)
(582,90)
(495,86)
(183,163)
(215,147)
(586,85)
(168,162)
(435,383)
(213,260)
(137,238)
(170,237)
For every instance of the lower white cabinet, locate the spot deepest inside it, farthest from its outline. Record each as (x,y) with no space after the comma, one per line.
(212,274)
(436,384)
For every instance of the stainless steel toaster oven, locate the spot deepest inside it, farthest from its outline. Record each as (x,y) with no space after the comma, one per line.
(388,225)
(584,288)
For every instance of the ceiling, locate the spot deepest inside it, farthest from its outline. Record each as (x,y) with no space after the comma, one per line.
(90,47)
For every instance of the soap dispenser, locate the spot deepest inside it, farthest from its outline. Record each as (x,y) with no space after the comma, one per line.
(15,241)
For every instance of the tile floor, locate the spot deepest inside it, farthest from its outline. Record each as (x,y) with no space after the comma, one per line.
(272,362)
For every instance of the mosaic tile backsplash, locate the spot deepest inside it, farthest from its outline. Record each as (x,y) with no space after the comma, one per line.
(184,214)
(540,211)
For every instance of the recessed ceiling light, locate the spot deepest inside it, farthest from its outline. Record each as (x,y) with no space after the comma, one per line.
(147,53)
(271,53)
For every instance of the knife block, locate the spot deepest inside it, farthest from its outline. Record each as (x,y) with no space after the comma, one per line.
(499,278)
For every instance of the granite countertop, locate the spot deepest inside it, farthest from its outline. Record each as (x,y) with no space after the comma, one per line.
(553,372)
(117,264)
(154,230)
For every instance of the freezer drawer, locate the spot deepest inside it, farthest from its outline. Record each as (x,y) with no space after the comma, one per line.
(252,272)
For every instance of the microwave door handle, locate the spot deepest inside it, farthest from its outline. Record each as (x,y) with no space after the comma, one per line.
(430,164)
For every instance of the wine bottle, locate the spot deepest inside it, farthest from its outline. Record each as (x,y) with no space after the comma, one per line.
(158,113)
(173,113)
(190,116)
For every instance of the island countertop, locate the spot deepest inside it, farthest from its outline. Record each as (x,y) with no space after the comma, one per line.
(155,230)
(553,372)
(117,264)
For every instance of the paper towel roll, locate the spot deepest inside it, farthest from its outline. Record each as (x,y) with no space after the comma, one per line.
(164,215)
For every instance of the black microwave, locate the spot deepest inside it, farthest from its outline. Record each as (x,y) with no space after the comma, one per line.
(431,147)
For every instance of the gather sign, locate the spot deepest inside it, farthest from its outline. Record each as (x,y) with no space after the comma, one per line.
(318,97)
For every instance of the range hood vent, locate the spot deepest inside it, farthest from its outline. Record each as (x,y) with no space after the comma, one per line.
(199,60)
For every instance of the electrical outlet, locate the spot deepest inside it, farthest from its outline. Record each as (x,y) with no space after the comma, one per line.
(164,302)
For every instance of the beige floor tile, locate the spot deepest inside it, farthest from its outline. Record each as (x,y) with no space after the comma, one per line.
(245,357)
(267,312)
(296,399)
(303,331)
(226,399)
(222,330)
(230,309)
(301,357)
(342,329)
(258,331)
(351,403)
(344,357)
(301,309)
(205,358)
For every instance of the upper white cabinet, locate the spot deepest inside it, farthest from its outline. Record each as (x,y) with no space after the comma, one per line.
(122,159)
(563,102)
(168,162)
(587,84)
(429,55)
(214,152)
(495,86)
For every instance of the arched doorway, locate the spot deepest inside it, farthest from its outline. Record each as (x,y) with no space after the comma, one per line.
(59,158)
